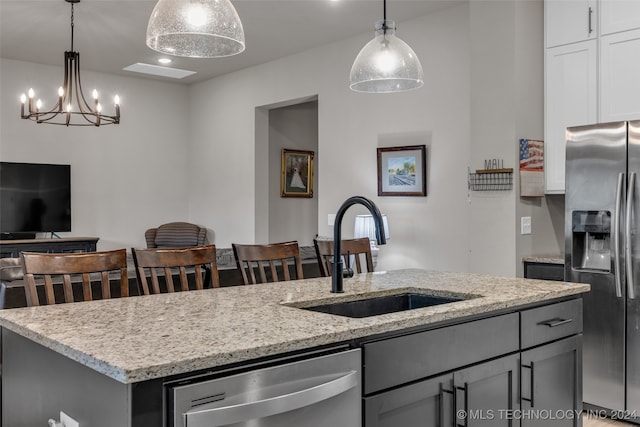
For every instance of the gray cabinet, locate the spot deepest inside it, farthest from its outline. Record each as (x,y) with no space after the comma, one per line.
(426,403)
(481,395)
(543,271)
(432,399)
(514,370)
(552,381)
(551,364)
(487,394)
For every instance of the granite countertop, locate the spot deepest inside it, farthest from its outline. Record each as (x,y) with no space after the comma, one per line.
(545,259)
(140,338)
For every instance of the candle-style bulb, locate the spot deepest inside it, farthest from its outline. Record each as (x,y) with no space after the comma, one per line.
(23,98)
(99,108)
(60,91)
(31,93)
(95,94)
(69,107)
(116,100)
(38,104)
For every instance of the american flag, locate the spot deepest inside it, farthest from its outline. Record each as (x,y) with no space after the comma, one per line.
(531,154)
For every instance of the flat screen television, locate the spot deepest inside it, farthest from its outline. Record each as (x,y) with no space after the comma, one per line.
(34,198)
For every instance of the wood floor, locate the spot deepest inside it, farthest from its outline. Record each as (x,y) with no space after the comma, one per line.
(596,422)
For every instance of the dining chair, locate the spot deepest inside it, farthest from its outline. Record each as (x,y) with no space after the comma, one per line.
(256,257)
(73,268)
(165,263)
(352,250)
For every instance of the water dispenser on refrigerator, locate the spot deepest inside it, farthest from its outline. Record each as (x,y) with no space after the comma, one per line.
(591,240)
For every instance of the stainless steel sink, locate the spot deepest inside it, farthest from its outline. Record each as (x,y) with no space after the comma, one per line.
(383,304)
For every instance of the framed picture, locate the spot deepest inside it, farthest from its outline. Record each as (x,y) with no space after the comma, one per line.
(296,178)
(402,171)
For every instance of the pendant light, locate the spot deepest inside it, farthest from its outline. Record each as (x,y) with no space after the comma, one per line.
(386,64)
(195,28)
(72,109)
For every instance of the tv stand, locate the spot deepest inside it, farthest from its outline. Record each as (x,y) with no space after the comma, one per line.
(17,236)
(12,248)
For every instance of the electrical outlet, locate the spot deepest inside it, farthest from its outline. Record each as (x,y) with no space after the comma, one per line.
(525,225)
(331,219)
(67,421)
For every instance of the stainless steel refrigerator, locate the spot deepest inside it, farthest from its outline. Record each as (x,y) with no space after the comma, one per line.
(602,248)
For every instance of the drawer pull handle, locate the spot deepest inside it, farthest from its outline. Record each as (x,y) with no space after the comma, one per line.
(555,322)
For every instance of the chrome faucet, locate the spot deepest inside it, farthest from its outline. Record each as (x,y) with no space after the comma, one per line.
(337,274)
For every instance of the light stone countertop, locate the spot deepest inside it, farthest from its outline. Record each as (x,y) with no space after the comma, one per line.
(140,338)
(546,259)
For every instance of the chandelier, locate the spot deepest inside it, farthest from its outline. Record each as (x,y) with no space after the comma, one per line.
(386,64)
(72,108)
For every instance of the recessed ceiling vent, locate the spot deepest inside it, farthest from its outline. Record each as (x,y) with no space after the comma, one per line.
(157,70)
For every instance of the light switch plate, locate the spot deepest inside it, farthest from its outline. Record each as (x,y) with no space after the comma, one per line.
(525,225)
(67,421)
(331,219)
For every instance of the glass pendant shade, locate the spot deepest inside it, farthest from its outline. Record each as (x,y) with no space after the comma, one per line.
(386,64)
(195,28)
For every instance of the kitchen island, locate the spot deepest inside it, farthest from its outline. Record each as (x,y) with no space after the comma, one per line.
(71,356)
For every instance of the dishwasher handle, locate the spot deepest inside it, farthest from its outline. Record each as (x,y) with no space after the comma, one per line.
(272,406)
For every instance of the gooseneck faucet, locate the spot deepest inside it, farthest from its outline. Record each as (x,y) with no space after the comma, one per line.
(336,276)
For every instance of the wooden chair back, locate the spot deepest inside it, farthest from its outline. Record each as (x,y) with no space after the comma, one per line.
(256,257)
(164,263)
(53,266)
(359,248)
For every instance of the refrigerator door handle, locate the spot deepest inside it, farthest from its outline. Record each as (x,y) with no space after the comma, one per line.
(627,235)
(616,235)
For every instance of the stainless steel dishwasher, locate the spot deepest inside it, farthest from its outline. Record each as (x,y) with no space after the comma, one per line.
(321,391)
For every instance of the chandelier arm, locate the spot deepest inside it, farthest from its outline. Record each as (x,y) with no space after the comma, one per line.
(84,106)
(66,87)
(85,110)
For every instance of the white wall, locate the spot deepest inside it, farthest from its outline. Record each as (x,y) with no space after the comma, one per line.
(493,134)
(124,178)
(425,232)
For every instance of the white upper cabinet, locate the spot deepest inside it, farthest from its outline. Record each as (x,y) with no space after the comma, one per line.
(570,21)
(571,93)
(619,15)
(592,64)
(620,76)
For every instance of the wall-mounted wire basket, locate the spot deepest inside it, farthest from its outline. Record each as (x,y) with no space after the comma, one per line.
(491,180)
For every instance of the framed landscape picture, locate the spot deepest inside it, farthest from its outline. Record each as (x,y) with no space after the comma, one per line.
(296,179)
(402,171)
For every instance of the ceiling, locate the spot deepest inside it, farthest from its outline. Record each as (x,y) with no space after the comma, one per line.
(110,34)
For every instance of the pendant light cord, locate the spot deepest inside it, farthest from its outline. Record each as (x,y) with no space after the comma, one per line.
(384,17)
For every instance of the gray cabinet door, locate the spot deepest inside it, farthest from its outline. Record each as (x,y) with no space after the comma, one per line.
(426,403)
(486,395)
(552,384)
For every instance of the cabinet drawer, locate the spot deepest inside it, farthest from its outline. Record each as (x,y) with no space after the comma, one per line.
(544,271)
(548,323)
(408,358)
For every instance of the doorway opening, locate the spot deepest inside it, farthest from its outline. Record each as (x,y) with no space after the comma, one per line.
(291,125)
